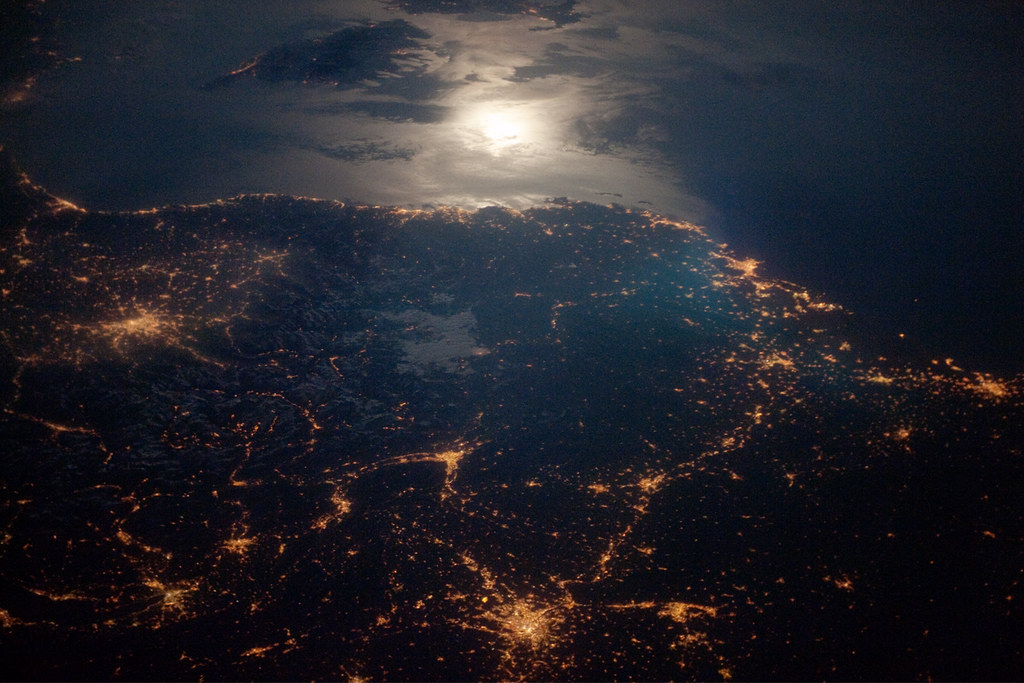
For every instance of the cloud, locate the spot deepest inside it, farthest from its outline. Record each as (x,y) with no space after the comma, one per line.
(386,110)
(365,151)
(561,60)
(561,12)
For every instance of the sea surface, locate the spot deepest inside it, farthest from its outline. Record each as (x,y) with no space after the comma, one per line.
(870,151)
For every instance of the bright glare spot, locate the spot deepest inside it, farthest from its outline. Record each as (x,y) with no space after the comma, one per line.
(500,127)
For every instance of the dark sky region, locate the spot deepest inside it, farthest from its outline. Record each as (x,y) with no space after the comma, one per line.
(869,150)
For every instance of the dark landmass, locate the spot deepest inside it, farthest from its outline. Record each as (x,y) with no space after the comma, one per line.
(561,12)
(344,58)
(279,438)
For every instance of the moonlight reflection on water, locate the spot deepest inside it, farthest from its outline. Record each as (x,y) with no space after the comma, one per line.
(501,125)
